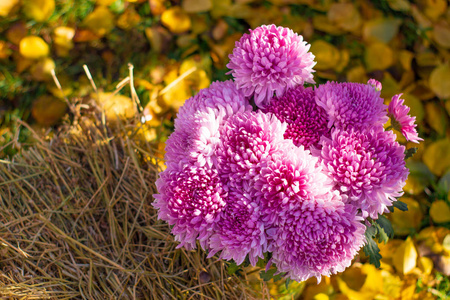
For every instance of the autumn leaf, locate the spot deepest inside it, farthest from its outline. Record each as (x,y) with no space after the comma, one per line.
(33,47)
(440,211)
(439,79)
(6,6)
(100,21)
(176,20)
(38,10)
(48,110)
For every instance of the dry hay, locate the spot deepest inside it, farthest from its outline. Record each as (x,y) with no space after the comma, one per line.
(76,222)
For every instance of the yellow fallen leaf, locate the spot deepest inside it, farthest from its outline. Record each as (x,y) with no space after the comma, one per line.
(409,292)
(403,222)
(33,47)
(41,70)
(48,110)
(354,277)
(441,34)
(380,30)
(446,242)
(105,2)
(440,211)
(426,265)
(357,74)
(345,16)
(176,20)
(436,117)
(38,10)
(439,79)
(399,5)
(157,7)
(405,257)
(63,40)
(433,9)
(415,105)
(324,287)
(100,21)
(343,60)
(433,238)
(220,8)
(129,19)
(116,107)
(405,58)
(437,157)
(326,55)
(388,250)
(22,63)
(5,52)
(196,6)
(6,6)
(390,86)
(321,296)
(422,90)
(352,294)
(392,285)
(322,23)
(378,56)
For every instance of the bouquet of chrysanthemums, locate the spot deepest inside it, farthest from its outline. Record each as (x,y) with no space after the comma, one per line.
(263,167)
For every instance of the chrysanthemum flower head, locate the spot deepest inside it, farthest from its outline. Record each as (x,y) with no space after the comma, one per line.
(401,121)
(316,238)
(270,59)
(306,121)
(248,141)
(375,83)
(290,178)
(198,121)
(240,231)
(366,165)
(191,199)
(351,105)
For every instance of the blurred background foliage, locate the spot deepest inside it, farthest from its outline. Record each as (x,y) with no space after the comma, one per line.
(168,50)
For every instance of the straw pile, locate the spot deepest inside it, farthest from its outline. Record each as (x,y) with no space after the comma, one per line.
(76,222)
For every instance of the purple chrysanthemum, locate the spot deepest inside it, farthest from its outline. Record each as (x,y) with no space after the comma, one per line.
(351,105)
(248,141)
(290,178)
(401,121)
(368,166)
(317,238)
(190,198)
(306,121)
(270,59)
(198,121)
(240,231)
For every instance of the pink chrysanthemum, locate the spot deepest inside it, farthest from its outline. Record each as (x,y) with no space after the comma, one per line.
(351,105)
(317,238)
(290,178)
(198,121)
(368,166)
(248,141)
(240,231)
(306,121)
(375,83)
(190,198)
(270,59)
(401,121)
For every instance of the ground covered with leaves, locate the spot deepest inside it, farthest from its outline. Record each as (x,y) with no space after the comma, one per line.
(174,49)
